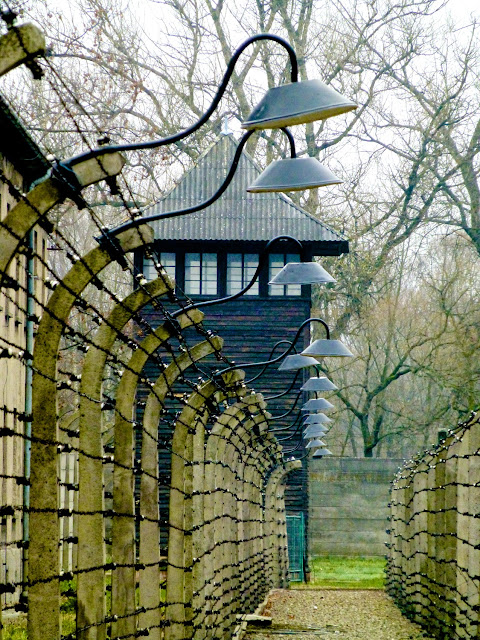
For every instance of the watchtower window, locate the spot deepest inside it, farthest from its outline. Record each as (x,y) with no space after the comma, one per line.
(276,262)
(241,268)
(167,260)
(201,274)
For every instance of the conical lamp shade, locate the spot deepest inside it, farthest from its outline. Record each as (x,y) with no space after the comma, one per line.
(317,404)
(317,418)
(315,444)
(319,453)
(315,431)
(296,362)
(319,384)
(326,348)
(297,103)
(293,174)
(302,273)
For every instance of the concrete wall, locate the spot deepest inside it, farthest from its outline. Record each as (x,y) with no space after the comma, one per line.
(348,500)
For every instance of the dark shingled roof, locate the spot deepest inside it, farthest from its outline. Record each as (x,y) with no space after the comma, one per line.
(237,214)
(19,148)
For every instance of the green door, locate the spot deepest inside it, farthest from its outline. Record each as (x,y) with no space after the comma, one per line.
(296,546)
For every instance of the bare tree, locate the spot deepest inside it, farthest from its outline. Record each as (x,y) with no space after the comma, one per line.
(409,154)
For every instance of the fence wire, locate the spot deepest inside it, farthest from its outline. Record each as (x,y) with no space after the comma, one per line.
(141,489)
(433,568)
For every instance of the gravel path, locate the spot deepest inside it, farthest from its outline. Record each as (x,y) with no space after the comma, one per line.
(336,615)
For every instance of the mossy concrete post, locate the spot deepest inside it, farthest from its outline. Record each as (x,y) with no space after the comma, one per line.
(275,517)
(440,530)
(153,409)
(224,529)
(68,499)
(462,618)
(226,442)
(408,548)
(179,612)
(474,526)
(34,208)
(282,537)
(397,535)
(432,561)
(272,528)
(420,484)
(253,529)
(20,45)
(267,461)
(281,544)
(44,596)
(91,607)
(450,542)
(249,531)
(150,616)
(257,464)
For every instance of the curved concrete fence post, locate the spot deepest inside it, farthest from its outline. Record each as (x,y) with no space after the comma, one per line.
(151,418)
(33,209)
(254,466)
(219,466)
(257,465)
(279,548)
(68,498)
(43,592)
(274,459)
(149,551)
(123,525)
(225,443)
(180,557)
(20,45)
(91,606)
(397,524)
(276,523)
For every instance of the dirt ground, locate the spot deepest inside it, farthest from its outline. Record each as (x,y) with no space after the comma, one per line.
(335,614)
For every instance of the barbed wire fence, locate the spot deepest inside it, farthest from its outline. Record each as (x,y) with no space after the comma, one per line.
(79,460)
(433,567)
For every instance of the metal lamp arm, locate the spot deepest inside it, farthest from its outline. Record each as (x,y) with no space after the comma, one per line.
(265,367)
(292,435)
(284,393)
(108,234)
(176,137)
(249,365)
(261,262)
(287,413)
(290,426)
(297,447)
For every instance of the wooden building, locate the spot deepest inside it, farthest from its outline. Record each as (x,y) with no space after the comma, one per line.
(21,163)
(213,253)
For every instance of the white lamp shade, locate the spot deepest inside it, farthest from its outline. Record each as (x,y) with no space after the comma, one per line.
(327,348)
(293,174)
(314,431)
(319,384)
(317,418)
(296,362)
(314,443)
(317,404)
(302,273)
(319,453)
(297,103)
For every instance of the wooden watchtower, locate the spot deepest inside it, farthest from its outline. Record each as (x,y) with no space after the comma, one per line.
(214,253)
